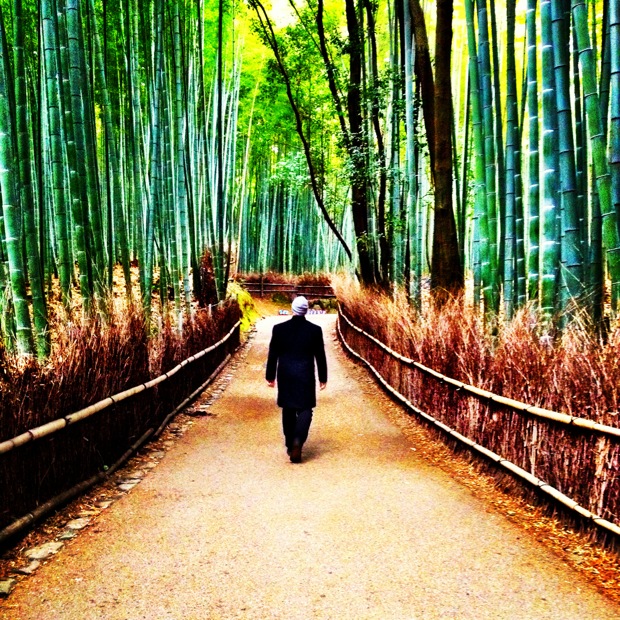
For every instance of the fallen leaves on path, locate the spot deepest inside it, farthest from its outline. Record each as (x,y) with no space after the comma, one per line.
(505,495)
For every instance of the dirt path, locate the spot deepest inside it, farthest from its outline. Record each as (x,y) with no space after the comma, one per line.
(226,527)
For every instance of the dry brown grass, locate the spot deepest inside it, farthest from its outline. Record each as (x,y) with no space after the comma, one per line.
(271,277)
(90,361)
(574,372)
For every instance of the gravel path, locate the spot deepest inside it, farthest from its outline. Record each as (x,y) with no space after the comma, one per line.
(226,527)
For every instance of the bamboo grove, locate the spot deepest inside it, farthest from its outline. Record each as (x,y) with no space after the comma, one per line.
(478,142)
(117,147)
(492,150)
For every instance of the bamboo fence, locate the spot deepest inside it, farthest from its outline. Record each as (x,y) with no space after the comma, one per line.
(45,466)
(573,460)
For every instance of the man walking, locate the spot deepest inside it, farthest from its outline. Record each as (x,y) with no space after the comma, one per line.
(294,347)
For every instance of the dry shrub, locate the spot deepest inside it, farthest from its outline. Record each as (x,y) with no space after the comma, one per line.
(91,362)
(272,277)
(207,293)
(175,343)
(269,277)
(314,279)
(573,372)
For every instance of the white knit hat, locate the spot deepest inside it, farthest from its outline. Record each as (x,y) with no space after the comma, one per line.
(300,305)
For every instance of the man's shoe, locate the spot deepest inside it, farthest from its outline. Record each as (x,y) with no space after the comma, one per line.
(295,453)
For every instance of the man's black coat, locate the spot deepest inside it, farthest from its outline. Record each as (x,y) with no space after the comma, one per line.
(295,344)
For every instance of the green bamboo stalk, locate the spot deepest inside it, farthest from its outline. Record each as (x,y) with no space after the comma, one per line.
(169,249)
(154,159)
(533,156)
(605,77)
(231,156)
(397,212)
(10,201)
(512,177)
(140,195)
(71,93)
(490,158)
(520,259)
(120,224)
(27,200)
(91,163)
(243,189)
(57,161)
(611,236)
(499,148)
(551,203)
(481,230)
(194,113)
(220,258)
(581,162)
(7,312)
(614,129)
(572,261)
(181,189)
(410,156)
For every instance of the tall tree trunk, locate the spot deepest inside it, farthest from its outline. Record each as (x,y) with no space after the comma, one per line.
(359,148)
(424,73)
(446,268)
(384,246)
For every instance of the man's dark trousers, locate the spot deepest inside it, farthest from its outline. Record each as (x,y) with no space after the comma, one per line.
(296,425)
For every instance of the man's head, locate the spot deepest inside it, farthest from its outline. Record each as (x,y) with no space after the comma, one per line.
(300,306)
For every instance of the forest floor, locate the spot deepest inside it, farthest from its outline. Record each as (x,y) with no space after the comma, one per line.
(378,521)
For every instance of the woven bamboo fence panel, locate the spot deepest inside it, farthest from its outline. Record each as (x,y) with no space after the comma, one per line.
(53,458)
(581,460)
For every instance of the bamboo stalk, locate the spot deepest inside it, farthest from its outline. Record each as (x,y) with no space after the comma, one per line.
(81,487)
